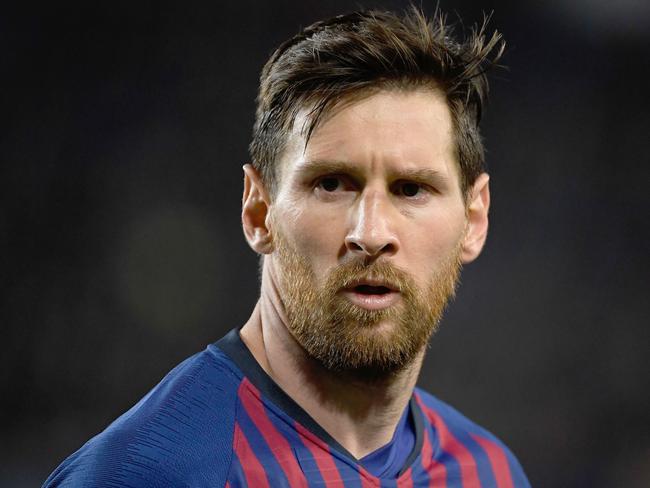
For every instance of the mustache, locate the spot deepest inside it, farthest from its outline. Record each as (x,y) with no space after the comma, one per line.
(389,275)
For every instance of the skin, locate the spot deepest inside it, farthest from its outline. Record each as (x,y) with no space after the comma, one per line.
(378,180)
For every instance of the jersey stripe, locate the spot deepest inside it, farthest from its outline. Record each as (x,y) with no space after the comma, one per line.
(324,460)
(483,465)
(274,471)
(435,472)
(306,460)
(251,400)
(427,459)
(367,479)
(498,460)
(467,463)
(286,426)
(386,483)
(350,473)
(253,469)
(236,476)
(405,481)
(453,453)
(466,460)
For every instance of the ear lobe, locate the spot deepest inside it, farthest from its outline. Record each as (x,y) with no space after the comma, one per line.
(478,207)
(255,211)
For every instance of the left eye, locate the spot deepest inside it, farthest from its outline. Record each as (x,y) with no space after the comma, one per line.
(408,189)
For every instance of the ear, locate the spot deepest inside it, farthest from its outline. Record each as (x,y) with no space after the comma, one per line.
(255,210)
(478,206)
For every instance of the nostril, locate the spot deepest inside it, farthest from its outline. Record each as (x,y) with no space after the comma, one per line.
(369,248)
(354,246)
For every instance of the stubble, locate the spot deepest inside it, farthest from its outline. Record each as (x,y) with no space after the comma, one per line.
(346,338)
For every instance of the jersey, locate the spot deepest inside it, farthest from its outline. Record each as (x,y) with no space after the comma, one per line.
(218,420)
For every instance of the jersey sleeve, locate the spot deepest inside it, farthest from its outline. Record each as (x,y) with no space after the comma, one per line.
(179,434)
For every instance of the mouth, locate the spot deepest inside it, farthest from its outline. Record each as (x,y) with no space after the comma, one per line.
(371,289)
(372,295)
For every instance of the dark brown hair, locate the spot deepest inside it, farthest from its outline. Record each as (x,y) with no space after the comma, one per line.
(333,60)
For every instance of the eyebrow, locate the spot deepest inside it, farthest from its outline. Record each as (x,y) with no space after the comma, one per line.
(325,166)
(425,175)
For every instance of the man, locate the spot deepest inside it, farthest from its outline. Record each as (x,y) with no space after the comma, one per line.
(365,195)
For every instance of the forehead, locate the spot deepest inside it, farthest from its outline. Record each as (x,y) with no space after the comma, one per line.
(388,128)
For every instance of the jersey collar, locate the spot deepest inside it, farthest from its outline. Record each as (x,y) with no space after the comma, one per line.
(232,345)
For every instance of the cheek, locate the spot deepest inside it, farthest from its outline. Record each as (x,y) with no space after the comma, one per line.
(450,231)
(319,240)
(437,238)
(317,236)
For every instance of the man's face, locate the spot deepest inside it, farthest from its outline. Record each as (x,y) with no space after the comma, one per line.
(367,225)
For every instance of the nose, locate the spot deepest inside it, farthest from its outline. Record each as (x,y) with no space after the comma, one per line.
(372,229)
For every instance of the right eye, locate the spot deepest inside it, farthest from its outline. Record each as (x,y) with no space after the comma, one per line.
(330,183)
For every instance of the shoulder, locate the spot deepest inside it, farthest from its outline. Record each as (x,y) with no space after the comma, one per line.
(179,432)
(468,442)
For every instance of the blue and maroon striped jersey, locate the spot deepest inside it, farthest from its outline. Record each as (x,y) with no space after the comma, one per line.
(218,420)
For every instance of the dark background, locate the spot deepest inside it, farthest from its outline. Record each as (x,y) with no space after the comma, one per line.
(124,129)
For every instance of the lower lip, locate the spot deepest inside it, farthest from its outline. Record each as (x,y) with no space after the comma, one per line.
(372,302)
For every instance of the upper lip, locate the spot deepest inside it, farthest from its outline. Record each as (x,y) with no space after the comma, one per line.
(371,282)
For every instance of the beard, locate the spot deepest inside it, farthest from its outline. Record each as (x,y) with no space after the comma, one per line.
(345,338)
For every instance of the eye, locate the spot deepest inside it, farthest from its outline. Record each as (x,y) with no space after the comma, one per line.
(333,183)
(408,189)
(329,183)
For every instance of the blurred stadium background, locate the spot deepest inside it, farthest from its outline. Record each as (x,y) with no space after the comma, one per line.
(124,129)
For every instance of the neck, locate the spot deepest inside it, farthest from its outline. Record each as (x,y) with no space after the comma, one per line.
(360,412)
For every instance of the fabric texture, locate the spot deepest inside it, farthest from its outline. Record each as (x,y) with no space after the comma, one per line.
(218,420)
